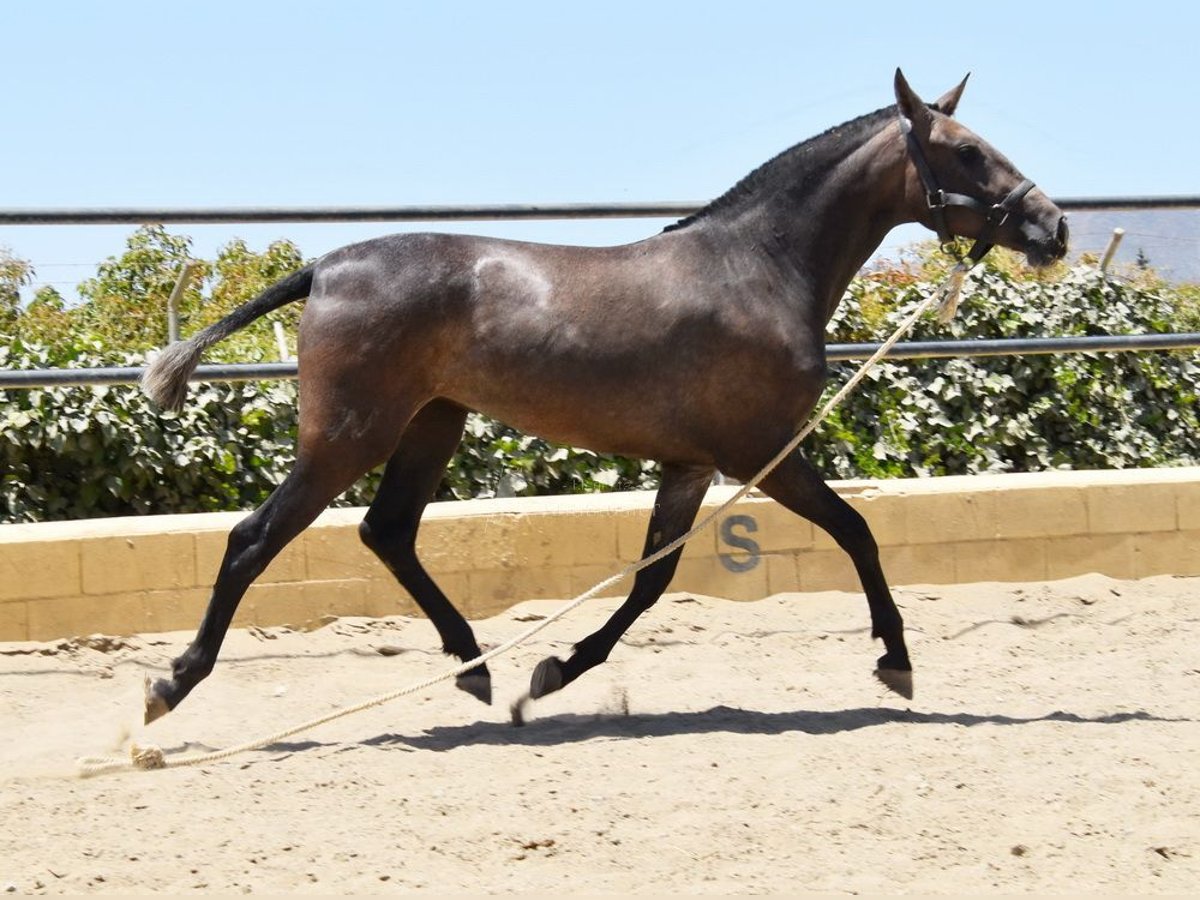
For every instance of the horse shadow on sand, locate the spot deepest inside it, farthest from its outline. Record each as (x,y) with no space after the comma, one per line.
(570,728)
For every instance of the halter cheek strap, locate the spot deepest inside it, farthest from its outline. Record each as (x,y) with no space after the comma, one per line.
(994,215)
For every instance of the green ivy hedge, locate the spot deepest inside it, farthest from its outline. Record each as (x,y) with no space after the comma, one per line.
(68,453)
(1019,413)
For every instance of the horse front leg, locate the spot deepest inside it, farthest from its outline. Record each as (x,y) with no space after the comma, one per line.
(679,496)
(796,485)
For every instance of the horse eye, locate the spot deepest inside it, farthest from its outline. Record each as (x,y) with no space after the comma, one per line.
(969,153)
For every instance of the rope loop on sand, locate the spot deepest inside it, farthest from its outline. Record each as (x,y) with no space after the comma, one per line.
(946,296)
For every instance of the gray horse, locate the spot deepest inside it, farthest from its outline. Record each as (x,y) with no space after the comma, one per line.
(701,347)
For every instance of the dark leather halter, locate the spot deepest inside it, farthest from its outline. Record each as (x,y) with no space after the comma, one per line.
(994,215)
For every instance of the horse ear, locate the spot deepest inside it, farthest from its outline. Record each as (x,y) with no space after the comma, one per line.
(948,102)
(910,105)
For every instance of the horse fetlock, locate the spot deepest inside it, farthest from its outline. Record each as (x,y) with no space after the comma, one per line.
(187,671)
(592,651)
(887,624)
(191,667)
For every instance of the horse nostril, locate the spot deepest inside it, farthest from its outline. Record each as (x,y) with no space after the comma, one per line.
(1063,232)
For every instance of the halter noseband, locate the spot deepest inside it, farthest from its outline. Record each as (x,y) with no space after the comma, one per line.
(994,215)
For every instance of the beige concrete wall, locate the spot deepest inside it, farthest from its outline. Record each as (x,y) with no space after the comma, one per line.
(153,573)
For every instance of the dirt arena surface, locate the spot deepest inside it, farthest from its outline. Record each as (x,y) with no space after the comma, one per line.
(1053,746)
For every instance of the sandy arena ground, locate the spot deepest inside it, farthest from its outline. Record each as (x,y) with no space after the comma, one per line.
(1053,746)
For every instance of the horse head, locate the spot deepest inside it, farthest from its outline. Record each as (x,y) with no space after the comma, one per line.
(959,185)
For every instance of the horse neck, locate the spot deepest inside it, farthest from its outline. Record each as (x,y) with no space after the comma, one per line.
(821,231)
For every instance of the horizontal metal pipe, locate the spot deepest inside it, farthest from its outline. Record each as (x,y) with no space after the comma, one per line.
(1115,343)
(239,214)
(1085,204)
(508,211)
(35,378)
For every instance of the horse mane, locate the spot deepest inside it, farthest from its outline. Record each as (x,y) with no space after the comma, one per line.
(802,162)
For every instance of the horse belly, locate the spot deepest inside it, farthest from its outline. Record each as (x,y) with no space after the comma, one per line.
(601,417)
(649,411)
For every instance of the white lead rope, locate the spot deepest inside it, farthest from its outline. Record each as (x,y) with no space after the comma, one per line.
(154,758)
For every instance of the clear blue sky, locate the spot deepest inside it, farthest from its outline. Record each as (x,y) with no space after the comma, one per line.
(302,103)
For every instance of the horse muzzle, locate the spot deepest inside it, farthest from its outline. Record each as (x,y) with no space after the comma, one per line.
(1045,242)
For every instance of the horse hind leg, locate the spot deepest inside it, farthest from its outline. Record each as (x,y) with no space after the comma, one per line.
(328,462)
(390,528)
(796,485)
(679,497)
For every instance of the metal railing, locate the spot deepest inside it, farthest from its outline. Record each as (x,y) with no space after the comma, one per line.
(501,212)
(35,378)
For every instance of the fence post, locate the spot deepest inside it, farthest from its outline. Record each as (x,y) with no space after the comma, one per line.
(181,284)
(281,342)
(1113,243)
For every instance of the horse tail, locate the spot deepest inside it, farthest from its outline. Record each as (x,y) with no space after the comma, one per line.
(165,379)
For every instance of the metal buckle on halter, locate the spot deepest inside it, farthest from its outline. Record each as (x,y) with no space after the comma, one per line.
(998,215)
(1000,211)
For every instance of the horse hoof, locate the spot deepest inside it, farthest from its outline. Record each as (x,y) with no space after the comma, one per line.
(156,706)
(547,678)
(900,681)
(477,684)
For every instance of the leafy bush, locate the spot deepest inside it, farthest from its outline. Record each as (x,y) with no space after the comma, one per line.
(79,452)
(1018,413)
